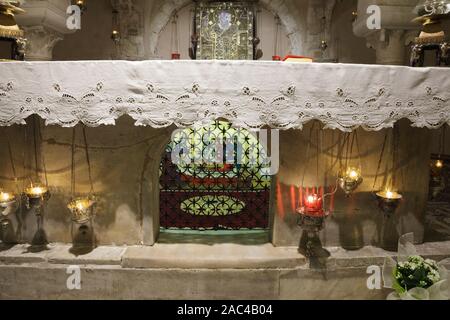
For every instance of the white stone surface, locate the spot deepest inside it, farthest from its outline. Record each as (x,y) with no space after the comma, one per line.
(60,254)
(99,256)
(45,277)
(219,256)
(19,254)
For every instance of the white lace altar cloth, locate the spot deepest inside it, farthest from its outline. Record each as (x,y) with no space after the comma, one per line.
(249,94)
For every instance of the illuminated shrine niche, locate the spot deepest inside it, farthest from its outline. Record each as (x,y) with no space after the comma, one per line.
(217,191)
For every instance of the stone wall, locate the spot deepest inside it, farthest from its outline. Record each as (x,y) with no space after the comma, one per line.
(356,220)
(125,161)
(125,165)
(195,272)
(302,31)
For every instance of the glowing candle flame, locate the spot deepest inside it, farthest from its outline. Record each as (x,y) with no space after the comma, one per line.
(5,197)
(80,204)
(390,195)
(313,205)
(353,174)
(439,164)
(311,199)
(36,191)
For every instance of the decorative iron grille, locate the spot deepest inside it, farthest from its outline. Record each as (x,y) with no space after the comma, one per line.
(221,186)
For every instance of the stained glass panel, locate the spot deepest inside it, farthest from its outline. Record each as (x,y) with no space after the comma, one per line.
(214,178)
(225,30)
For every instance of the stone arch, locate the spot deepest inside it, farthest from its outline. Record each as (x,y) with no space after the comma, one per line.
(285,9)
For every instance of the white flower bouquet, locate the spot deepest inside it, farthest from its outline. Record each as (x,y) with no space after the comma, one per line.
(413,277)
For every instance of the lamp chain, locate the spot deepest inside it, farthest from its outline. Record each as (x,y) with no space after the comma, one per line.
(11,157)
(380,160)
(72,172)
(37,137)
(88,160)
(395,146)
(307,153)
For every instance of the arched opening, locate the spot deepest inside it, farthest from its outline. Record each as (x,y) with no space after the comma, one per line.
(214,181)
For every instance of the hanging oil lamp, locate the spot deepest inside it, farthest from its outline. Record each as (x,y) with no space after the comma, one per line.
(82,5)
(82,209)
(7,205)
(437,181)
(388,201)
(349,180)
(82,213)
(7,202)
(439,164)
(436,166)
(115,34)
(36,196)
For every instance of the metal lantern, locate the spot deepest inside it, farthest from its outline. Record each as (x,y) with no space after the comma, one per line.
(7,202)
(8,205)
(83,213)
(115,34)
(388,201)
(36,195)
(437,181)
(81,4)
(82,210)
(349,180)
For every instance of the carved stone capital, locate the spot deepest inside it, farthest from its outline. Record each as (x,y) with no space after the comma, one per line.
(44,23)
(40,43)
